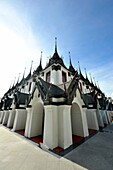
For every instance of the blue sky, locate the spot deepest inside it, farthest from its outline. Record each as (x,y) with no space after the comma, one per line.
(83,27)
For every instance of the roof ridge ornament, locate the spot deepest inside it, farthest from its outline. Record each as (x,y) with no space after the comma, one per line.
(18,78)
(70,58)
(41,58)
(31,66)
(91,78)
(24,72)
(55,44)
(86,73)
(79,67)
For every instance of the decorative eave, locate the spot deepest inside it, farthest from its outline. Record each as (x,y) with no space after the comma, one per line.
(90,100)
(51,94)
(20,99)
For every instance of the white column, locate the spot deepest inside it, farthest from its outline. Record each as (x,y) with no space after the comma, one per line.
(92,119)
(11,118)
(109,116)
(84,122)
(5,118)
(64,126)
(99,118)
(1,116)
(50,137)
(20,119)
(27,129)
(104,116)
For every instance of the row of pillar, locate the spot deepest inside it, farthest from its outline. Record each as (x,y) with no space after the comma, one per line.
(55,123)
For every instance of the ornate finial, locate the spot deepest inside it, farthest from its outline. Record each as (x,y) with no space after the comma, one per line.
(70,58)
(98,85)
(85,72)
(55,44)
(24,72)
(94,80)
(18,78)
(31,66)
(79,67)
(14,81)
(11,84)
(90,78)
(41,58)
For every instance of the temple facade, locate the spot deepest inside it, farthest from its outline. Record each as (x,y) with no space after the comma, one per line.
(55,106)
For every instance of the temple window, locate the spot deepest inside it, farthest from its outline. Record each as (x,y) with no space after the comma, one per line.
(48,76)
(64,77)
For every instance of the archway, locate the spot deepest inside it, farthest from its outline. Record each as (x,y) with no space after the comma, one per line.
(77,124)
(37,123)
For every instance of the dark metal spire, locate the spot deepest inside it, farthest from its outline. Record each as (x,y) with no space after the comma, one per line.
(90,78)
(94,81)
(55,44)
(24,72)
(31,66)
(41,59)
(18,78)
(70,58)
(14,81)
(79,67)
(86,73)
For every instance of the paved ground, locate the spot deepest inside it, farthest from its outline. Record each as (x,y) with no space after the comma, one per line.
(17,153)
(96,153)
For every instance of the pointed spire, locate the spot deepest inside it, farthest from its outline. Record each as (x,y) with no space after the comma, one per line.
(79,67)
(24,72)
(41,59)
(98,85)
(31,66)
(14,81)
(94,81)
(11,84)
(90,78)
(86,73)
(70,58)
(18,78)
(55,44)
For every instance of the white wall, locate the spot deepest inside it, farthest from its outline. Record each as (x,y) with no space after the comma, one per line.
(92,119)
(20,119)
(50,137)
(1,116)
(5,118)
(11,118)
(99,118)
(36,120)
(104,117)
(64,126)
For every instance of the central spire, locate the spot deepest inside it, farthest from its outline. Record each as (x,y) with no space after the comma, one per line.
(55,44)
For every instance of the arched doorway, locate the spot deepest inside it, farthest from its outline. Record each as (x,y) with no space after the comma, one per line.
(37,123)
(76,123)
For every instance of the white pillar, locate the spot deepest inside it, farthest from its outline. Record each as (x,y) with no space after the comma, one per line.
(11,118)
(64,126)
(27,129)
(99,118)
(50,137)
(20,119)
(109,116)
(104,117)
(84,123)
(92,119)
(1,116)
(5,118)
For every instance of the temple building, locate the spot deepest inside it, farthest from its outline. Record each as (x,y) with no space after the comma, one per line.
(55,106)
